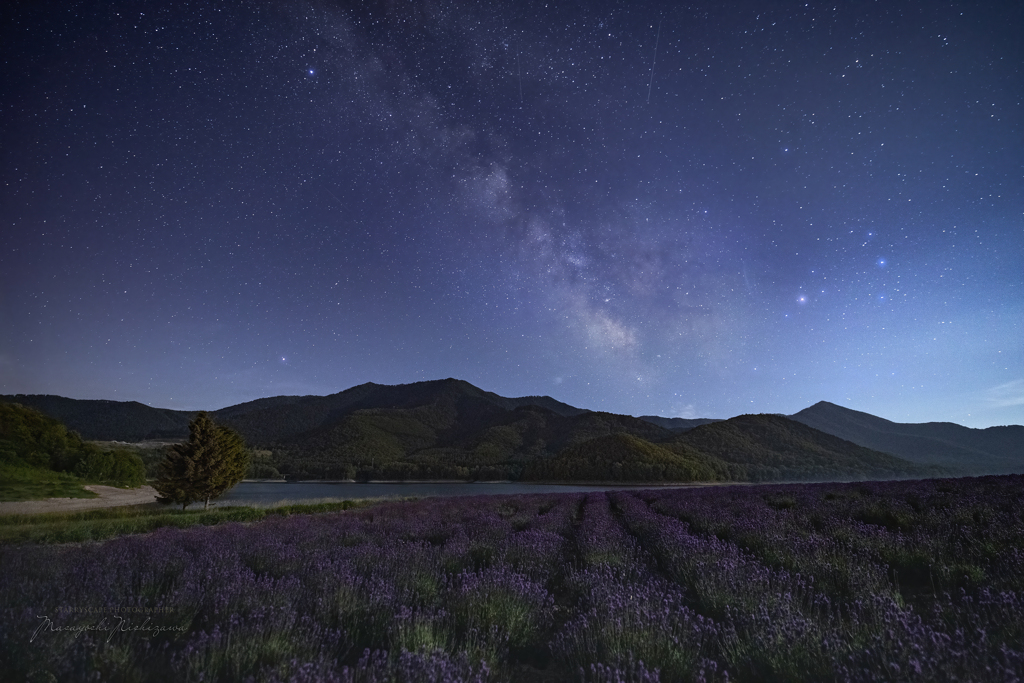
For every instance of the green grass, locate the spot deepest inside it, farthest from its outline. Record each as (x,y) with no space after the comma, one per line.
(95,525)
(29,483)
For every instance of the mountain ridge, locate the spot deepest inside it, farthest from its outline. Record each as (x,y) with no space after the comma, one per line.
(451,428)
(110,420)
(992,450)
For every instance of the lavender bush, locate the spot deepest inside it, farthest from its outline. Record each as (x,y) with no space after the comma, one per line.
(892,581)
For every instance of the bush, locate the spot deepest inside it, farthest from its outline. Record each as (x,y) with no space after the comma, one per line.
(118,467)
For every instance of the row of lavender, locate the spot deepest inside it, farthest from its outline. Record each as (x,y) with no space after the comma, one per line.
(869,581)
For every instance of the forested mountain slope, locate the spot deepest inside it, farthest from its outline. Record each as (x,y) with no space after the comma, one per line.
(109,420)
(452,429)
(776,448)
(995,450)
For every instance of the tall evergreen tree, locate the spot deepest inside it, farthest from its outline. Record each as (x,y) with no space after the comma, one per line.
(234,454)
(212,461)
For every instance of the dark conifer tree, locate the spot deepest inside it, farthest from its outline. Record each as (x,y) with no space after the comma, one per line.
(234,454)
(212,461)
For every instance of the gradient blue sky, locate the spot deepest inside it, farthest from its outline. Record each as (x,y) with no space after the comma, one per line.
(691,210)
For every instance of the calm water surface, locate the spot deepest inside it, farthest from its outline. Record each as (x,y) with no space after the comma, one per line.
(270,493)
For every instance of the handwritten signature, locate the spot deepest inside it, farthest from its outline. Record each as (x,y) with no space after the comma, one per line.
(121,626)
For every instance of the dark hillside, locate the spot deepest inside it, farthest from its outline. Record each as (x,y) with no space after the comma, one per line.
(265,423)
(274,419)
(773,447)
(109,420)
(286,419)
(42,458)
(450,429)
(554,405)
(259,404)
(678,424)
(456,430)
(957,448)
(624,457)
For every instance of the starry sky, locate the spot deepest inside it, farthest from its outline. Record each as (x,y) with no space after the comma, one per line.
(678,209)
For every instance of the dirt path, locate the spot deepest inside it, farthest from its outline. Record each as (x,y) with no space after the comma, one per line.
(109,496)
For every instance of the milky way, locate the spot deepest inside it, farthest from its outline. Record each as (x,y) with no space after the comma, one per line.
(646,208)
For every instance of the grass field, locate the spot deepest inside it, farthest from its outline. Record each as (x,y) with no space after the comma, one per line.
(24,483)
(104,523)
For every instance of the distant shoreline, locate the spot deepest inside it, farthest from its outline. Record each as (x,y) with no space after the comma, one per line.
(504,481)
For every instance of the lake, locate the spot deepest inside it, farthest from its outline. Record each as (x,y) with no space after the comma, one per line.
(271,493)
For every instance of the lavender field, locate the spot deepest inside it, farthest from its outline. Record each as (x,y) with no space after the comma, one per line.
(890,581)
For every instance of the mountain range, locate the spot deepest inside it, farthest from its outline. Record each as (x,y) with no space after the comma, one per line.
(994,450)
(452,429)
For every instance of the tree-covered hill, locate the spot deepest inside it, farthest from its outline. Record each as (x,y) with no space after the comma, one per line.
(265,420)
(450,429)
(995,450)
(624,457)
(460,434)
(40,457)
(678,424)
(447,429)
(776,448)
(108,420)
(288,419)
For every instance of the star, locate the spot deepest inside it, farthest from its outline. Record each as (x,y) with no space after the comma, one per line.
(465,206)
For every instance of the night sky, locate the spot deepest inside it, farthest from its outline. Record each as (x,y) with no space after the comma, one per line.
(693,210)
